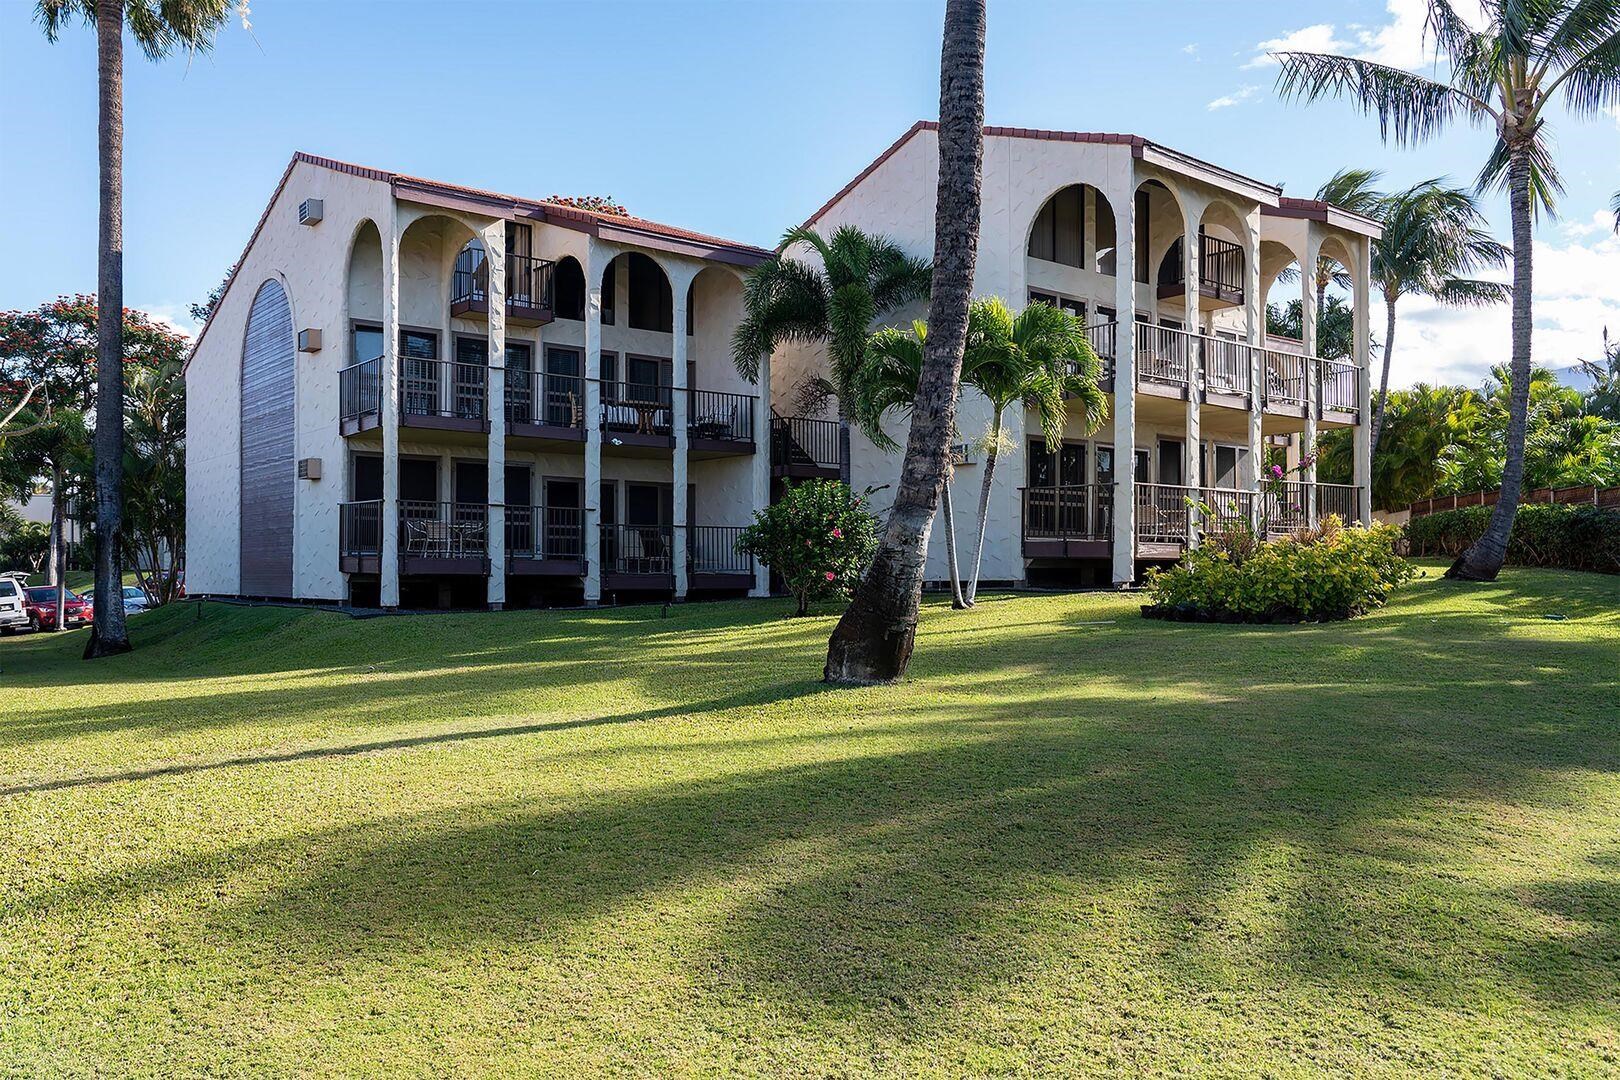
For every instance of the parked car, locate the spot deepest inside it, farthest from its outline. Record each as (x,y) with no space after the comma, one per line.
(135,600)
(40,603)
(13,605)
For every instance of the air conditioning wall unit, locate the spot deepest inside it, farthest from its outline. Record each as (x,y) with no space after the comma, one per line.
(311,211)
(309,468)
(309,340)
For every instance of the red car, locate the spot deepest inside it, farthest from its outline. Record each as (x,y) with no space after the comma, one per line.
(40,604)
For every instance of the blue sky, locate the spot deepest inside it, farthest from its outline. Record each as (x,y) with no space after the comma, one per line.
(735,118)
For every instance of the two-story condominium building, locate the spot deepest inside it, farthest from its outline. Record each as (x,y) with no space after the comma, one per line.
(1170,260)
(417,393)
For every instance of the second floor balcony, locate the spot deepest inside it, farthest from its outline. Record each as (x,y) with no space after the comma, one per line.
(530,287)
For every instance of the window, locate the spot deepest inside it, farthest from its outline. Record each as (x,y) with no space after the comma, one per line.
(1066,468)
(1072,306)
(367,344)
(610,289)
(1170,470)
(419,479)
(1059,229)
(1143,233)
(517,485)
(569,290)
(471,350)
(366,478)
(472,481)
(416,345)
(652,303)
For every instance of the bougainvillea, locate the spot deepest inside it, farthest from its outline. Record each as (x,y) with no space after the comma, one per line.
(818,538)
(596,204)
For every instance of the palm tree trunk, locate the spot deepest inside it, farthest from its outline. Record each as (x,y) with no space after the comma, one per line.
(1483,561)
(948,512)
(873,641)
(1383,380)
(58,561)
(984,507)
(108,632)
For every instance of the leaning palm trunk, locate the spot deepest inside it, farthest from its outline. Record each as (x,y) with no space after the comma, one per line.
(948,512)
(1483,561)
(984,507)
(108,632)
(874,639)
(1382,402)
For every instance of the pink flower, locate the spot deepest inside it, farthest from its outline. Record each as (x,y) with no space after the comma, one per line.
(831,576)
(838,534)
(1277,471)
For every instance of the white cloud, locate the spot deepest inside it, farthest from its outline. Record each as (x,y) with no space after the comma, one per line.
(1577,294)
(1400,42)
(176,317)
(1190,50)
(1237,97)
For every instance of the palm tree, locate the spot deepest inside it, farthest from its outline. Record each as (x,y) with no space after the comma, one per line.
(1432,234)
(159,29)
(1355,190)
(1530,52)
(1040,357)
(873,640)
(887,382)
(861,278)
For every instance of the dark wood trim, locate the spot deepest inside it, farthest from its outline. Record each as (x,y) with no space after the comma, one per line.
(806,472)
(429,565)
(720,581)
(521,566)
(545,431)
(637,438)
(360,564)
(355,425)
(443,423)
(638,582)
(1055,548)
(740,447)
(1226,400)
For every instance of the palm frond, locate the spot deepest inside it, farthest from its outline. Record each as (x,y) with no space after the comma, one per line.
(886,380)
(1467,292)
(783,300)
(1410,106)
(1355,190)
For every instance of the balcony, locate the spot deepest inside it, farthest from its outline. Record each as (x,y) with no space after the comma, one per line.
(443,537)
(713,561)
(1339,392)
(719,423)
(1161,360)
(360,396)
(446,395)
(1220,274)
(1102,337)
(529,287)
(360,527)
(1286,377)
(544,406)
(1077,522)
(803,448)
(545,541)
(641,558)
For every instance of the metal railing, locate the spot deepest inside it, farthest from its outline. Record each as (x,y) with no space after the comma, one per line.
(803,441)
(637,407)
(1340,389)
(713,414)
(1226,364)
(529,280)
(446,388)
(1162,513)
(360,389)
(712,549)
(360,527)
(1285,377)
(1161,353)
(444,530)
(549,532)
(1341,499)
(638,549)
(1073,512)
(1220,266)
(1104,337)
(545,398)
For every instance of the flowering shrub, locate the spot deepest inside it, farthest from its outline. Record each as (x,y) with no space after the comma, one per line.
(818,538)
(1328,573)
(596,204)
(1573,537)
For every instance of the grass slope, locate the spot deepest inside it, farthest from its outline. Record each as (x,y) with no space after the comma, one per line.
(614,842)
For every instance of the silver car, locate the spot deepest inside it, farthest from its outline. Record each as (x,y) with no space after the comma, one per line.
(135,600)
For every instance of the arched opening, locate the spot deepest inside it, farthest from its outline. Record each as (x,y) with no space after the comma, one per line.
(1158,226)
(639,284)
(267,425)
(570,289)
(1280,285)
(1075,227)
(445,379)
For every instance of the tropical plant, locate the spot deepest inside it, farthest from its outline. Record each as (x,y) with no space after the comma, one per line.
(1575,537)
(1529,53)
(818,538)
(887,382)
(1355,190)
(159,27)
(1042,358)
(155,476)
(874,639)
(861,278)
(1433,234)
(1603,399)
(1335,326)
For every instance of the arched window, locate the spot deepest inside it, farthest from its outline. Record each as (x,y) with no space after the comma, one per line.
(267,476)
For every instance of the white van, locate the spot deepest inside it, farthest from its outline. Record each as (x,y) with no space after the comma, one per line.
(12,614)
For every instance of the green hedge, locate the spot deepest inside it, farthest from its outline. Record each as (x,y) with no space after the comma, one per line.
(1571,537)
(1333,573)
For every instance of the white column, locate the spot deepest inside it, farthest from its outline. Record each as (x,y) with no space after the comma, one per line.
(1254,307)
(1307,333)
(494,237)
(591,518)
(388,564)
(677,362)
(1124,200)
(1363,429)
(1192,319)
(762,461)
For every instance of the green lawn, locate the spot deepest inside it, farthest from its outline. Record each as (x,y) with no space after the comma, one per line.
(1075,841)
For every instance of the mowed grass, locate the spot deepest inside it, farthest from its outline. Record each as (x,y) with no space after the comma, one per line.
(1075,841)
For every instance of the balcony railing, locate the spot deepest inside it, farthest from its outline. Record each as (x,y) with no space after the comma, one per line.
(1285,378)
(638,549)
(1226,364)
(712,549)
(360,528)
(641,408)
(443,530)
(712,414)
(360,389)
(544,398)
(550,532)
(529,281)
(1162,513)
(1161,354)
(803,442)
(1220,271)
(1073,512)
(1103,338)
(443,388)
(1340,389)
(1341,499)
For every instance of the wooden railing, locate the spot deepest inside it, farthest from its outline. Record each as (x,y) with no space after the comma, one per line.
(1073,512)
(549,532)
(803,441)
(1341,499)
(360,389)
(1161,353)
(444,388)
(1586,494)
(1162,514)
(713,414)
(712,549)
(642,408)
(360,527)
(1103,337)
